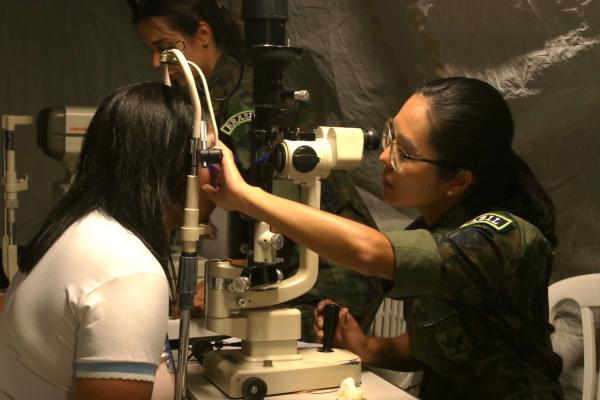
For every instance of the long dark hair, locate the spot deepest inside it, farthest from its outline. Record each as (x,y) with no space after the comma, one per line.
(132,167)
(472,128)
(184,15)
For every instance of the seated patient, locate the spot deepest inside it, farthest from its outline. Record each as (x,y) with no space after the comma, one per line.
(78,321)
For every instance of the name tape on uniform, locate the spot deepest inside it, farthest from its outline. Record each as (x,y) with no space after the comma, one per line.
(494,220)
(236,120)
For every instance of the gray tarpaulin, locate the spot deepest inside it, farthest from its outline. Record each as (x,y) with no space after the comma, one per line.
(543,55)
(361,62)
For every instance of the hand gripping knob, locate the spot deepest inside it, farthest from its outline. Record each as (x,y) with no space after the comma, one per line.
(330,319)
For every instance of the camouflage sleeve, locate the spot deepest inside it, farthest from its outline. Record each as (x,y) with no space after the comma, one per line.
(468,264)
(417,261)
(235,120)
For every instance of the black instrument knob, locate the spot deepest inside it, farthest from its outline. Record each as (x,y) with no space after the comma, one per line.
(264,275)
(330,320)
(305,159)
(211,156)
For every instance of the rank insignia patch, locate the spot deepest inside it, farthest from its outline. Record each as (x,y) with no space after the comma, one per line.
(494,220)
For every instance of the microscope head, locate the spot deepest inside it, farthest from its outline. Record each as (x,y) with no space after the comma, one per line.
(60,132)
(329,148)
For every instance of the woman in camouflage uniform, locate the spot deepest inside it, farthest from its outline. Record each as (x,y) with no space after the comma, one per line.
(474,268)
(209,37)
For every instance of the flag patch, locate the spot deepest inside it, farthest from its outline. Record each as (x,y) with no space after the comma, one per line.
(494,220)
(236,120)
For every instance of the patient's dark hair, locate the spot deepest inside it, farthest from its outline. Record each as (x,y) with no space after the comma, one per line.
(132,167)
(472,128)
(184,15)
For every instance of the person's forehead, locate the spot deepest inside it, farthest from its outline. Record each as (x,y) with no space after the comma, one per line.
(411,123)
(154,29)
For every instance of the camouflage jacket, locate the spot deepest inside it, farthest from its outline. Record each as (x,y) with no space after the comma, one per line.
(476,292)
(339,196)
(231,90)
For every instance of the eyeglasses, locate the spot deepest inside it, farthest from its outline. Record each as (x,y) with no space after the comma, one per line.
(397,154)
(179,45)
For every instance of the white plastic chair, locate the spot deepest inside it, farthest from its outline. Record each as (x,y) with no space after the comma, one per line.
(389,322)
(585,291)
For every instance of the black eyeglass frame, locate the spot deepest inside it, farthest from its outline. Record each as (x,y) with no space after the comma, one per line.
(389,139)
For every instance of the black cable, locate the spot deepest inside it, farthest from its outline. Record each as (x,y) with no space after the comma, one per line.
(200,347)
(235,88)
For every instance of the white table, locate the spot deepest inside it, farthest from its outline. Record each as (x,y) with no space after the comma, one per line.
(375,388)
(199,388)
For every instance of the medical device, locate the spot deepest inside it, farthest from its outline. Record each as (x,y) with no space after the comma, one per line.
(60,132)
(243,302)
(12,186)
(192,230)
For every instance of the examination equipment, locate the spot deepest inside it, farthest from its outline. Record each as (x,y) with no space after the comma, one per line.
(60,132)
(246,302)
(192,229)
(12,186)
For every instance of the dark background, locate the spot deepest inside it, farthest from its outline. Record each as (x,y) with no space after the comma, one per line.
(362,60)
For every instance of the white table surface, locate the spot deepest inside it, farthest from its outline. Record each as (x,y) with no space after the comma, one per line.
(374,387)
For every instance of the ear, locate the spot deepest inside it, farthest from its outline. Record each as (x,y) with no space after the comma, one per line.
(204,34)
(459,184)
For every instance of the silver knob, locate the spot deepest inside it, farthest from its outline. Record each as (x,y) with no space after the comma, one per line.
(277,241)
(240,284)
(302,95)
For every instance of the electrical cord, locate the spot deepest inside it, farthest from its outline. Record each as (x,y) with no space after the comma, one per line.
(208,100)
(236,86)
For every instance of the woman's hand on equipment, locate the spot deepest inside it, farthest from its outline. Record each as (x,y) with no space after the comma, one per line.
(199,296)
(205,205)
(228,187)
(348,334)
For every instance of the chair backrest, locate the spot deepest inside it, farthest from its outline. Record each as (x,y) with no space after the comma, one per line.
(585,291)
(389,320)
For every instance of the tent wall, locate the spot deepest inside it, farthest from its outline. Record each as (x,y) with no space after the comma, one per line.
(362,60)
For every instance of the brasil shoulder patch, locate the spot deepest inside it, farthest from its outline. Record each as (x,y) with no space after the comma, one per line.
(496,221)
(243,117)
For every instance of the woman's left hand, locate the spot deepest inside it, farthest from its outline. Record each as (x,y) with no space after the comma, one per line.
(199,296)
(348,334)
(205,205)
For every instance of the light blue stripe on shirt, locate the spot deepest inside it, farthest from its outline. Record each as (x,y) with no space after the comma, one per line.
(125,367)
